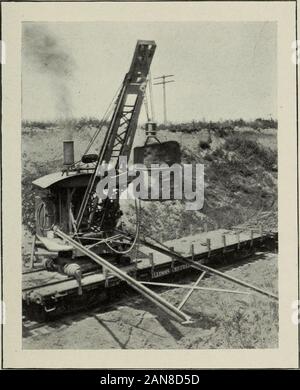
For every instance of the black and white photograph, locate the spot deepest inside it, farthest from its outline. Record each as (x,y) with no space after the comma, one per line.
(149,184)
(89,98)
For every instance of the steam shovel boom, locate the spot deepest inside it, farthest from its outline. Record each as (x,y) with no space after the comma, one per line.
(120,134)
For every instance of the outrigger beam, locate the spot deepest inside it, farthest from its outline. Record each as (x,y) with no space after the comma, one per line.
(146,292)
(202,267)
(188,295)
(192,287)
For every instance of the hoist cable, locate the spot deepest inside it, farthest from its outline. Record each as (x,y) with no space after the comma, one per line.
(137,232)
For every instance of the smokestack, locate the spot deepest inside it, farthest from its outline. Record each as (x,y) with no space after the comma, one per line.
(68,152)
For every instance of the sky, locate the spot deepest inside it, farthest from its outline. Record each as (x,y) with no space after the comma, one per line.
(221,70)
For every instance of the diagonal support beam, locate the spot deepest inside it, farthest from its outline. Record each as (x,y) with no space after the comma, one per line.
(189,287)
(146,292)
(188,295)
(202,267)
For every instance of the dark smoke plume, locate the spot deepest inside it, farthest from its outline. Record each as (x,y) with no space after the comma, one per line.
(50,58)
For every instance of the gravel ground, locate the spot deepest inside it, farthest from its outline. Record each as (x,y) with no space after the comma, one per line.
(220,320)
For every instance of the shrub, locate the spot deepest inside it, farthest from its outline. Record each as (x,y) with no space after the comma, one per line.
(249,150)
(204,145)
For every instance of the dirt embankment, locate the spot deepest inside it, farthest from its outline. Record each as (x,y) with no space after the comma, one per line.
(240,184)
(239,166)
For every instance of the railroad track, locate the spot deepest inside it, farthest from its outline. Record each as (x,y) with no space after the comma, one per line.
(32,328)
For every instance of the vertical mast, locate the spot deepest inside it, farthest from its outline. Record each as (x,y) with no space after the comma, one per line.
(122,128)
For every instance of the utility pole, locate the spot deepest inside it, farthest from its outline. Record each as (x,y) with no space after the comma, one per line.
(164,82)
